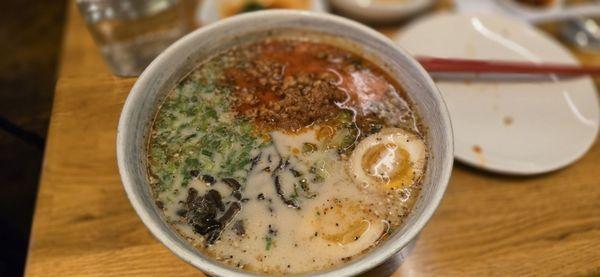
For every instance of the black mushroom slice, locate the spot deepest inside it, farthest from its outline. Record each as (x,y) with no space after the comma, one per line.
(191,197)
(208,227)
(233,209)
(238,227)
(295,172)
(255,161)
(212,236)
(282,165)
(215,197)
(194,173)
(201,213)
(289,202)
(232,183)
(181,212)
(209,179)
(223,221)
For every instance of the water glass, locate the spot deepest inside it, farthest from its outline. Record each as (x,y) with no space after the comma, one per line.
(131,33)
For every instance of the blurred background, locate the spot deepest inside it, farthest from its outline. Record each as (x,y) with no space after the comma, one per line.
(30,32)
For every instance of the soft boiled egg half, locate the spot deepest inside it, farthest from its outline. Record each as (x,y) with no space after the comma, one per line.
(390,159)
(347,223)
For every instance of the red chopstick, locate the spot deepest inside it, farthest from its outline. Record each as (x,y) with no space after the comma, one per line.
(433,64)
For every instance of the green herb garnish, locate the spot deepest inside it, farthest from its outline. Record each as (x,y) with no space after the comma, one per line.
(268,242)
(196,131)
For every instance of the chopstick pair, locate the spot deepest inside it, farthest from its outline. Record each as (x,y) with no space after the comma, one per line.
(453,65)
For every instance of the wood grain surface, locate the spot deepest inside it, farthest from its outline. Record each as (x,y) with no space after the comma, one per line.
(486,225)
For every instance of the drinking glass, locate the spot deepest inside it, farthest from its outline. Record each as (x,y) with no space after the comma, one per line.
(131,33)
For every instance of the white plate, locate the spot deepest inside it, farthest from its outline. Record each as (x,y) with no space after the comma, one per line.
(372,11)
(524,127)
(555,12)
(210,12)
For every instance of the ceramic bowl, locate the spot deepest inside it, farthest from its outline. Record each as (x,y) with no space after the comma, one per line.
(210,10)
(375,12)
(185,54)
(521,7)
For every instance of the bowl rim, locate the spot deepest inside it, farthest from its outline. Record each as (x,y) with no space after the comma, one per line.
(364,263)
(208,7)
(379,9)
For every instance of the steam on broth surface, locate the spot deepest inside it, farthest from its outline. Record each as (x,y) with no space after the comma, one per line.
(286,156)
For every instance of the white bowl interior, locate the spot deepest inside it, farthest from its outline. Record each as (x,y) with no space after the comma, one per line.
(184,55)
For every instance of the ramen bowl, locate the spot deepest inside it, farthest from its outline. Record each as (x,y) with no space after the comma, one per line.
(184,55)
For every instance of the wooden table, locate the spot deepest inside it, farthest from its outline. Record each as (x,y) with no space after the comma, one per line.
(486,225)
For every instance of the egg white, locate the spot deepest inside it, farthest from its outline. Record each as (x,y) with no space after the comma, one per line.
(376,160)
(347,223)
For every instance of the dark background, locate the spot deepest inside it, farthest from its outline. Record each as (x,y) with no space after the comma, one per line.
(30,39)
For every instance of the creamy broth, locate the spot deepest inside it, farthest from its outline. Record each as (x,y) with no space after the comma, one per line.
(286,156)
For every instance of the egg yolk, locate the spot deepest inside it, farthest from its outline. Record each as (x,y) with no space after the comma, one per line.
(388,165)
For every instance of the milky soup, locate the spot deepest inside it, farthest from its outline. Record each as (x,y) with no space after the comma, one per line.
(286,156)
